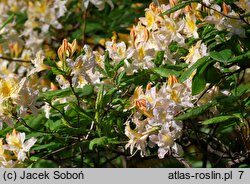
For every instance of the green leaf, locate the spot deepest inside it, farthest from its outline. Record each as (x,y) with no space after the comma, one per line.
(241,90)
(93,27)
(99,98)
(246,14)
(198,83)
(80,111)
(194,112)
(34,158)
(6,130)
(220,119)
(177,7)
(37,122)
(36,135)
(54,125)
(199,79)
(84,91)
(176,67)
(57,71)
(102,142)
(159,58)
(49,62)
(98,142)
(108,66)
(7,21)
(49,146)
(208,31)
(164,72)
(242,57)
(222,56)
(42,163)
(212,75)
(99,103)
(120,76)
(119,65)
(200,62)
(49,95)
(113,141)
(225,100)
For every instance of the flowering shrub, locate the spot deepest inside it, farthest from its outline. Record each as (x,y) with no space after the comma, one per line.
(173,92)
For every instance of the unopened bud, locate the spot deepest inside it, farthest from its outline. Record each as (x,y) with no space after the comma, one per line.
(141,104)
(188,9)
(226,8)
(172,80)
(173,3)
(15,49)
(53,86)
(62,50)
(66,49)
(133,35)
(148,86)
(154,8)
(146,34)
(73,47)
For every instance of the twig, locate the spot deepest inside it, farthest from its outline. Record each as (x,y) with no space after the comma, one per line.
(203,93)
(84,27)
(109,160)
(236,18)
(239,160)
(62,113)
(78,101)
(91,128)
(182,161)
(78,120)
(216,152)
(15,60)
(21,120)
(59,150)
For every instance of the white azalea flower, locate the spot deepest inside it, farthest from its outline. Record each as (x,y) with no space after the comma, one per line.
(17,144)
(38,64)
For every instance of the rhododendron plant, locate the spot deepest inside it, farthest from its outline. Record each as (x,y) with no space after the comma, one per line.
(106,83)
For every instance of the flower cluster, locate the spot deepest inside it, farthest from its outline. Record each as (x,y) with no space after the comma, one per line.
(13,153)
(166,45)
(41,15)
(16,98)
(156,32)
(154,117)
(155,109)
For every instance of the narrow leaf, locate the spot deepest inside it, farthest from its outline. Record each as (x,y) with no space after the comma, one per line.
(80,111)
(190,70)
(194,112)
(7,21)
(177,7)
(159,58)
(220,119)
(108,66)
(240,57)
(164,72)
(49,95)
(98,142)
(84,91)
(57,71)
(222,56)
(212,75)
(198,84)
(49,146)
